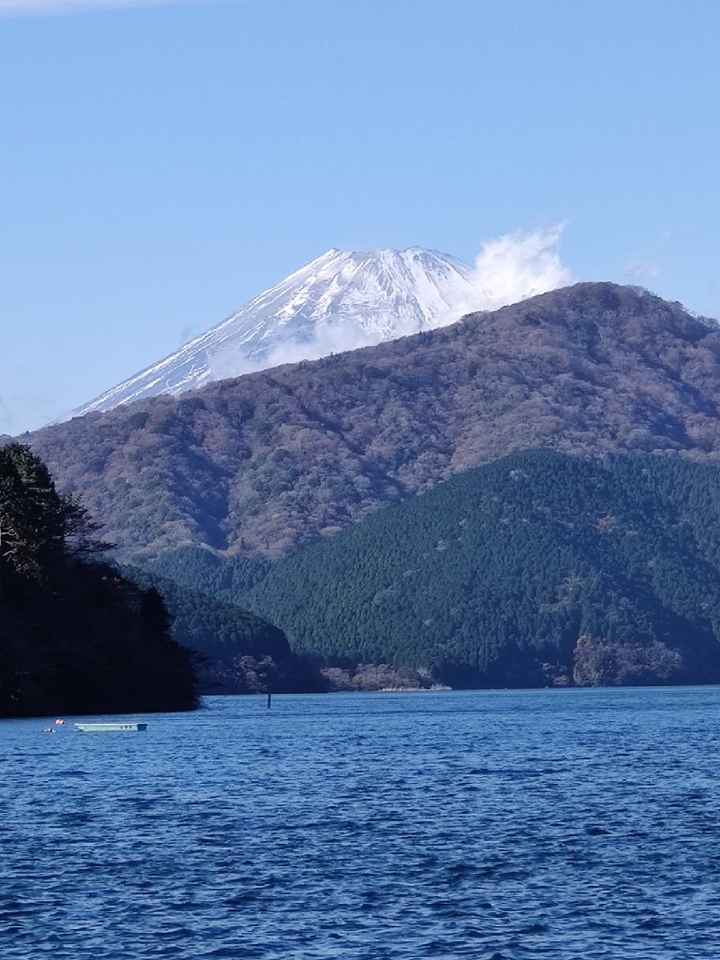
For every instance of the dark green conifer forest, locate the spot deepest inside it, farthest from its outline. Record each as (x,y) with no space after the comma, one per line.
(75,636)
(234,650)
(537,569)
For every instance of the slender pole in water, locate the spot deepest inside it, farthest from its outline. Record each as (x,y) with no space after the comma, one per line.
(269,702)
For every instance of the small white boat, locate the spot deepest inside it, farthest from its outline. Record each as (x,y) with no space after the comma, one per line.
(111,727)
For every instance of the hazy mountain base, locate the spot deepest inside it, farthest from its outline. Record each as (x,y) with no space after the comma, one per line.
(539,569)
(261,465)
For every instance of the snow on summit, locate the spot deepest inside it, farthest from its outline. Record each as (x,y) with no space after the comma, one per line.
(340,301)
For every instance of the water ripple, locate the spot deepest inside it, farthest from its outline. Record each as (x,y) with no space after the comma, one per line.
(513,826)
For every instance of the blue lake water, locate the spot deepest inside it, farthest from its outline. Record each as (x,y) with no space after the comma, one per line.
(558,824)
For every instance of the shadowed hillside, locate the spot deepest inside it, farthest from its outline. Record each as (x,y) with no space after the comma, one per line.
(536,569)
(259,465)
(234,650)
(75,635)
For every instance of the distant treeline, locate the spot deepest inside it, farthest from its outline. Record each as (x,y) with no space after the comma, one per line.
(537,569)
(75,635)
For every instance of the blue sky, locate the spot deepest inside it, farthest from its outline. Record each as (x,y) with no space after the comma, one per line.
(160,163)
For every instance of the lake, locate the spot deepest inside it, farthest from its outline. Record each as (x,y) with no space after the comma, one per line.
(554,824)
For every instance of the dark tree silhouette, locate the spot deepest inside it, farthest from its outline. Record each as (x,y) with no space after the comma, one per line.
(75,636)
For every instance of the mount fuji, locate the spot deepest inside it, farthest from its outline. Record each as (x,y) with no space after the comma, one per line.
(340,301)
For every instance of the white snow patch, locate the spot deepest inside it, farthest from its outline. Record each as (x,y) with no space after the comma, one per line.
(346,299)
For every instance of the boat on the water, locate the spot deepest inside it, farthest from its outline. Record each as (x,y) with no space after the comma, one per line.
(111,727)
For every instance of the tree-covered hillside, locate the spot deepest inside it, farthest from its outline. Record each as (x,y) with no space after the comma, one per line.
(75,636)
(537,569)
(235,650)
(263,464)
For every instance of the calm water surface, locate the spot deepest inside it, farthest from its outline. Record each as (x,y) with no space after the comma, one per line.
(563,824)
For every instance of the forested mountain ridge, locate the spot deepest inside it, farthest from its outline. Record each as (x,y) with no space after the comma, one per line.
(75,635)
(537,569)
(259,465)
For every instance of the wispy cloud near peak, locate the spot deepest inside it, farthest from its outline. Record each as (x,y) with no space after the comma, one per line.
(520,265)
(513,267)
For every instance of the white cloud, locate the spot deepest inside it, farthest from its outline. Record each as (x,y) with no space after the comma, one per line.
(519,265)
(507,269)
(18,7)
(326,341)
(511,268)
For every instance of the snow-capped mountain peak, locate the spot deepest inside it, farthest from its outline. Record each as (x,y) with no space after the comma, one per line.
(339,301)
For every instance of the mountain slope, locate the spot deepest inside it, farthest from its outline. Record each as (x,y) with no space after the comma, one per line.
(339,301)
(539,568)
(274,459)
(238,651)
